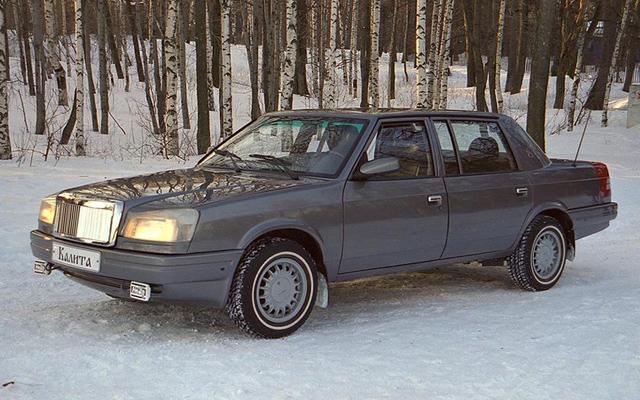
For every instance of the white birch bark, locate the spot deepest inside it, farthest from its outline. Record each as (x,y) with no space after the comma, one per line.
(498,65)
(5,139)
(439,64)
(52,55)
(315,76)
(421,54)
(289,67)
(226,100)
(614,62)
(374,90)
(446,56)
(433,50)
(171,57)
(587,12)
(80,141)
(333,76)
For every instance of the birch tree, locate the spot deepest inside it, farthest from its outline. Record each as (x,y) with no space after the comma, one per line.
(226,106)
(52,55)
(103,68)
(288,70)
(203,133)
(433,56)
(374,91)
(586,11)
(333,50)
(79,104)
(353,52)
(171,55)
(421,54)
(614,62)
(498,66)
(212,103)
(5,139)
(446,56)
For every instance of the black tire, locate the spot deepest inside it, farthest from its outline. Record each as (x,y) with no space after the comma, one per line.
(244,306)
(522,264)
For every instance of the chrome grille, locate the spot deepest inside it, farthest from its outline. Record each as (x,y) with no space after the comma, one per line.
(85,220)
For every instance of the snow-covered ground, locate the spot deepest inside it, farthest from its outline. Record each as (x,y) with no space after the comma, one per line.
(459,332)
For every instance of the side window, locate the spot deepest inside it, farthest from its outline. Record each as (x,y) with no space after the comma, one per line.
(408,143)
(482,147)
(447,148)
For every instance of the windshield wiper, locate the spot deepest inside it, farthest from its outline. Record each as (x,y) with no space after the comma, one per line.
(281,164)
(232,156)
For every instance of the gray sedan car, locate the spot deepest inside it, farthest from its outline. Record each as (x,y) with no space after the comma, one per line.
(298,199)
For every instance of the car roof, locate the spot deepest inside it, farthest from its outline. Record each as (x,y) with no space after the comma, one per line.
(372,113)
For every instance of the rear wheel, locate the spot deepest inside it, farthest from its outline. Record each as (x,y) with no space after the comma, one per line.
(538,261)
(274,288)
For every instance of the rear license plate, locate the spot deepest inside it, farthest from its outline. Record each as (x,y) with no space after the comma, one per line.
(139,291)
(75,257)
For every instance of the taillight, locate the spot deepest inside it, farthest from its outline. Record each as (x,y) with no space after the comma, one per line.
(602,172)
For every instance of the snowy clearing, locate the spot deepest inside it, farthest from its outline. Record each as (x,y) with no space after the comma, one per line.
(458,332)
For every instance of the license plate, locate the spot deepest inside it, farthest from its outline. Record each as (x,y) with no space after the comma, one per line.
(139,291)
(75,257)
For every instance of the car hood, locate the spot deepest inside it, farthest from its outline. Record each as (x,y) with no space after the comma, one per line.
(184,187)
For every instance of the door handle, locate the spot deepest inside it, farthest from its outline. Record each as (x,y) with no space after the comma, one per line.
(522,191)
(434,200)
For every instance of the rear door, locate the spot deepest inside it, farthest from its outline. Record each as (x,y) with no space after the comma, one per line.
(400,217)
(488,195)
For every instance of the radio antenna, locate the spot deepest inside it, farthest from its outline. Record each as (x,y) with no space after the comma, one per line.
(575,160)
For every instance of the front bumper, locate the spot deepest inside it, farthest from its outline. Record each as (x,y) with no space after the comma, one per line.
(592,219)
(191,278)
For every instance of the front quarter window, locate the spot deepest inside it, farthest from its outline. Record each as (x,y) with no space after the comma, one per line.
(304,145)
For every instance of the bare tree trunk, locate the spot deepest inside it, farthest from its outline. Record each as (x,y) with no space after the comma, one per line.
(393,56)
(89,67)
(38,39)
(421,55)
(374,91)
(52,55)
(446,56)
(5,139)
(288,70)
(202,79)
(79,97)
(251,45)
(353,52)
(171,55)
(27,48)
(333,51)
(521,56)
(365,49)
(498,65)
(300,76)
(433,56)
(110,38)
(19,36)
(537,107)
(315,52)
(103,68)
(614,60)
(226,100)
(633,46)
(587,9)
(157,64)
(210,84)
(135,39)
(184,95)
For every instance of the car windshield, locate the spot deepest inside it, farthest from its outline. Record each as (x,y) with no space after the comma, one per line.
(294,145)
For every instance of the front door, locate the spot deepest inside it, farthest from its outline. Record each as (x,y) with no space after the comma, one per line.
(399,217)
(488,196)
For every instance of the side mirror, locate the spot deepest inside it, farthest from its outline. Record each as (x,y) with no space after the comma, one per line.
(380,166)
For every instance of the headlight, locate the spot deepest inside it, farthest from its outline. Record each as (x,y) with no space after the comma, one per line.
(173,225)
(47,210)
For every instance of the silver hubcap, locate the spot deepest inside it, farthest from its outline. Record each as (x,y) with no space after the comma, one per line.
(281,290)
(547,255)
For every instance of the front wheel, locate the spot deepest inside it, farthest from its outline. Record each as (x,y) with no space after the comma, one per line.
(538,261)
(274,288)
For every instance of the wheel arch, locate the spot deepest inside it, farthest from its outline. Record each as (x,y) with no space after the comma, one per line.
(303,235)
(559,212)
